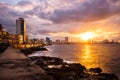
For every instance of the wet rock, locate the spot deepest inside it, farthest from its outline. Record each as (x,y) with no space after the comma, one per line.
(47,60)
(67,71)
(39,48)
(61,70)
(28,51)
(77,67)
(108,76)
(95,70)
(102,76)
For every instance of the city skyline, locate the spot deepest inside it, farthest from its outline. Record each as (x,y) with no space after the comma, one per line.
(58,19)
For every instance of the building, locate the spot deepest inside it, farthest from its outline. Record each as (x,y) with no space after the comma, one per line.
(3,35)
(6,37)
(66,39)
(20,39)
(42,41)
(21,28)
(57,41)
(48,40)
(106,41)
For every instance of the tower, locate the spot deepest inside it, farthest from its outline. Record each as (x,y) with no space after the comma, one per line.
(49,42)
(21,28)
(66,39)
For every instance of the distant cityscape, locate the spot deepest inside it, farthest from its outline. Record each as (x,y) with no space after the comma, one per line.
(20,39)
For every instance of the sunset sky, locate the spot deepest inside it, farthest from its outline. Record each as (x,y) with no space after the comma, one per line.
(60,18)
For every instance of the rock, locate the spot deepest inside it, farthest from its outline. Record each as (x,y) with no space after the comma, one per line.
(102,76)
(28,51)
(39,48)
(95,70)
(108,76)
(47,60)
(77,67)
(70,71)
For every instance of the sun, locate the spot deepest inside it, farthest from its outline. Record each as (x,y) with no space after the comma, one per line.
(87,36)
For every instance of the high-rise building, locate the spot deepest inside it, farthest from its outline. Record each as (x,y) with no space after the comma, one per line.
(48,39)
(21,28)
(66,40)
(57,41)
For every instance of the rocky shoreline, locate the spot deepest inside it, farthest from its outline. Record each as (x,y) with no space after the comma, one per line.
(14,65)
(27,51)
(60,70)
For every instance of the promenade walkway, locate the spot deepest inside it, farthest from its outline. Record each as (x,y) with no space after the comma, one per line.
(16,66)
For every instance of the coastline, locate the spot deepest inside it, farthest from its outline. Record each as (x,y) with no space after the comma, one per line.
(60,70)
(19,67)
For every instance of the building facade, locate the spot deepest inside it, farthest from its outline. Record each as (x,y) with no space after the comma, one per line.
(48,40)
(21,28)
(3,35)
(66,39)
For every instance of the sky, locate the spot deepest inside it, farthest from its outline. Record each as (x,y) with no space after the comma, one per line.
(60,18)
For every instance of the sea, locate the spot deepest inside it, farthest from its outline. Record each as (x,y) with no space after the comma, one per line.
(105,56)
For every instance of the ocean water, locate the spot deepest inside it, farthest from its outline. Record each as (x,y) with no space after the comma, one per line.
(105,56)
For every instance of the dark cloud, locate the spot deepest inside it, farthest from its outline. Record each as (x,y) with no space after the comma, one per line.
(8,17)
(44,10)
(46,32)
(84,11)
(24,3)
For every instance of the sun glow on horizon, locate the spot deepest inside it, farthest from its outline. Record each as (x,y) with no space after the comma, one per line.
(87,36)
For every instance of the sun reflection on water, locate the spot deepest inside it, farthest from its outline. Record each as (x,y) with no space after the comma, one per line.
(87,57)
